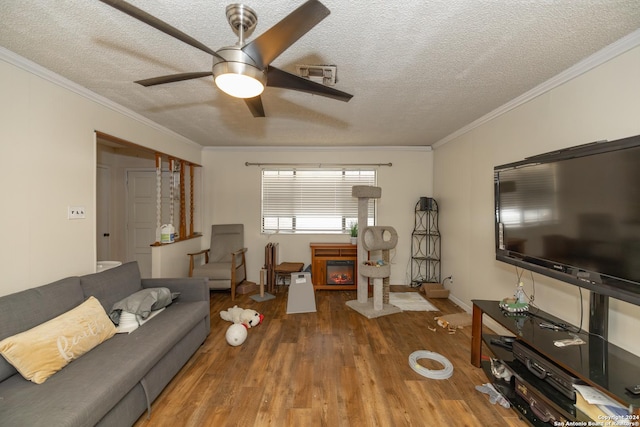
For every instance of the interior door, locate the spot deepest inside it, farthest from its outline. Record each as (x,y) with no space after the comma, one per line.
(141,215)
(141,218)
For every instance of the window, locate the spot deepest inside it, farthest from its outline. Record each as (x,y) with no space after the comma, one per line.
(313,200)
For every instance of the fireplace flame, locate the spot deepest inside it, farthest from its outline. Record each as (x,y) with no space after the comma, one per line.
(340,279)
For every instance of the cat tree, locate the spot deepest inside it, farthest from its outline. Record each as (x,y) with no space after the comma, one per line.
(376,238)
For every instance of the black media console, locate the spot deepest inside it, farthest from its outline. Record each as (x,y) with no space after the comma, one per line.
(597,363)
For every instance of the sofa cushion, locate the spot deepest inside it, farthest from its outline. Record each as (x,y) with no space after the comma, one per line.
(110,286)
(24,310)
(43,350)
(214,270)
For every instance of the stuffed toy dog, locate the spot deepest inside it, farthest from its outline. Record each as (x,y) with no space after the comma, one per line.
(245,316)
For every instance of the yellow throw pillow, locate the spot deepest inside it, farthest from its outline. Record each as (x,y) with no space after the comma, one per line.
(43,350)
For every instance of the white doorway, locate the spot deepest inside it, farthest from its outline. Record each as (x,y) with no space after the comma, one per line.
(126,197)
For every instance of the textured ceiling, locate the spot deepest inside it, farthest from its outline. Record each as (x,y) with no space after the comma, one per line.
(419,70)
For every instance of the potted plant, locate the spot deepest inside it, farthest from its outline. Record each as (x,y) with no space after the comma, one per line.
(354,233)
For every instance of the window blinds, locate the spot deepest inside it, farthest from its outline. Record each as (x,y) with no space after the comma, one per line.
(312,200)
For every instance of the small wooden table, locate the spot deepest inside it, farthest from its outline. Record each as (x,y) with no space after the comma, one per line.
(286,268)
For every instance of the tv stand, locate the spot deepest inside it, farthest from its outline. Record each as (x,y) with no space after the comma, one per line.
(598,363)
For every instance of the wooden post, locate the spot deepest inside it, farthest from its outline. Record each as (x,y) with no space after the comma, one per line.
(476,336)
(158,196)
(183,210)
(191,203)
(171,190)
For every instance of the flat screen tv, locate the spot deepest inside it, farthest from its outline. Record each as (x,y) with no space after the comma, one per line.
(574,215)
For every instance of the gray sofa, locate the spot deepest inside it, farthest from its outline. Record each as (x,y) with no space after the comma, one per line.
(114,383)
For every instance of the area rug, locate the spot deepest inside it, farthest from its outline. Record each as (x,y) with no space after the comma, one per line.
(410,301)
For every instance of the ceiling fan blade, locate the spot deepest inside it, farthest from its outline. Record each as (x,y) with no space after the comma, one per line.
(156,23)
(278,38)
(173,78)
(284,80)
(255,105)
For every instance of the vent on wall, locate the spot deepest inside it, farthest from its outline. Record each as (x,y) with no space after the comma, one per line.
(325,74)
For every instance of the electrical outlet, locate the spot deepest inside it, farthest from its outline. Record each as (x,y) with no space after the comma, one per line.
(76,212)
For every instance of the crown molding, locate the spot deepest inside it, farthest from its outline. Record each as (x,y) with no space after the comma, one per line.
(342,148)
(604,55)
(20,62)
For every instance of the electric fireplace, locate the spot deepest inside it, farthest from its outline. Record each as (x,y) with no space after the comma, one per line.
(328,253)
(340,272)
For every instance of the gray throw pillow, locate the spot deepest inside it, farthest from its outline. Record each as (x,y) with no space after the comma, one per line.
(143,302)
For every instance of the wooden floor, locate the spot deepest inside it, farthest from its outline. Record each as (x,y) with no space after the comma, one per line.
(330,368)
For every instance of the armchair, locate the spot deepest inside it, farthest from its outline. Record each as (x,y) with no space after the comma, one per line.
(224,261)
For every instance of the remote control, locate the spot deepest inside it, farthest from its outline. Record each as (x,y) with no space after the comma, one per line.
(634,389)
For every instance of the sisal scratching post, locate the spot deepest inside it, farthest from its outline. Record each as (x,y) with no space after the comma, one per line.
(263,296)
(385,281)
(363,193)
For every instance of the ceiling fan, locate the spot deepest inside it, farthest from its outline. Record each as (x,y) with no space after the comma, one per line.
(243,70)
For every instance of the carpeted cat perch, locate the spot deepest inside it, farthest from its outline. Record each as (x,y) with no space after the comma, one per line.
(378,238)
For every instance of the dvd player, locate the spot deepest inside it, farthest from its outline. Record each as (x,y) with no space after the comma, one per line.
(546,370)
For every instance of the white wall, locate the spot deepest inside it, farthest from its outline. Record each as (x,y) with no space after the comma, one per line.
(232,193)
(48,151)
(604,103)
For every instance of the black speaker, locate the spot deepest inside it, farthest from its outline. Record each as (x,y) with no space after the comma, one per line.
(426,204)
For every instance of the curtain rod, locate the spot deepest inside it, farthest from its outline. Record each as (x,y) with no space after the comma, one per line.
(318,164)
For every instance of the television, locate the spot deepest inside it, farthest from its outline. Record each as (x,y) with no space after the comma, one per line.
(574,215)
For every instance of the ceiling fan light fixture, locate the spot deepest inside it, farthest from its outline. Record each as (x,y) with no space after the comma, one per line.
(239,79)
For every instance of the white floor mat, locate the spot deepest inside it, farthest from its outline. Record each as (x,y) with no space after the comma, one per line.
(410,301)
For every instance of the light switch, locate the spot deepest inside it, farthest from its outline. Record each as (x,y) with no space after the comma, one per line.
(76,212)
